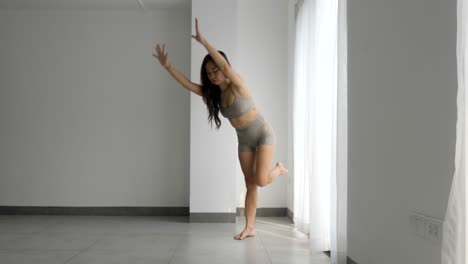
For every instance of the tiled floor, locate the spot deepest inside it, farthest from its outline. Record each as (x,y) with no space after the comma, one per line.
(140,239)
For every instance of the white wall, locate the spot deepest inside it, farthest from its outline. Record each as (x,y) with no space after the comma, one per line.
(254,36)
(88,116)
(213,154)
(263,64)
(402,120)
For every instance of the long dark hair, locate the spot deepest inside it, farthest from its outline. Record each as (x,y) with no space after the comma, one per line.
(211,92)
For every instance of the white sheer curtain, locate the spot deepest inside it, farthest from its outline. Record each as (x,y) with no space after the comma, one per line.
(454,237)
(319,125)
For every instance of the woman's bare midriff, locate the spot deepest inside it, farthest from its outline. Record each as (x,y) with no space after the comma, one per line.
(244,119)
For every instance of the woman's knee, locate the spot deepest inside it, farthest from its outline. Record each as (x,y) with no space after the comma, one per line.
(261,181)
(261,177)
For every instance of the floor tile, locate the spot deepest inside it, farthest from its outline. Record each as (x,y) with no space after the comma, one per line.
(147,239)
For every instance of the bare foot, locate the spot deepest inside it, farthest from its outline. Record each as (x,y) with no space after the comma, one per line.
(281,168)
(247,232)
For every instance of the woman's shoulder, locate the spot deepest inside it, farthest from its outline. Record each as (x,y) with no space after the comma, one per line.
(242,92)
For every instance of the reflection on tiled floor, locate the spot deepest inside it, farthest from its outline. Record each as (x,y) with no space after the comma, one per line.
(142,239)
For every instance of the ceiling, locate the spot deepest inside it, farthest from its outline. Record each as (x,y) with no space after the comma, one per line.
(93,4)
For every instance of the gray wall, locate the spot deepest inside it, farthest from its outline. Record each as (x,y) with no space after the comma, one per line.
(88,116)
(402,120)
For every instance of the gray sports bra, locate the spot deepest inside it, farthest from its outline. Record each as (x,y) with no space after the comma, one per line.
(239,107)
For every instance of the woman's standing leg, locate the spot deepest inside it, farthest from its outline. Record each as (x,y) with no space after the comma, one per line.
(263,174)
(247,162)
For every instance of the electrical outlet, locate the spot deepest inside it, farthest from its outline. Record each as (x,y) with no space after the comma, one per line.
(426,227)
(433,230)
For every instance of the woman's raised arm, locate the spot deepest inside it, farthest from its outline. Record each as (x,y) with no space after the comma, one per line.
(218,58)
(161,55)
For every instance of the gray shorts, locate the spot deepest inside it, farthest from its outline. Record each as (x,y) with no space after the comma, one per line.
(255,133)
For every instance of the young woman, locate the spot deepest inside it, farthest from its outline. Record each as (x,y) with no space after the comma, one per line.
(224,91)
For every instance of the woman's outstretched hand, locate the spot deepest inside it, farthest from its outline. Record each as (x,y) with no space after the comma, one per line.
(198,37)
(161,55)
